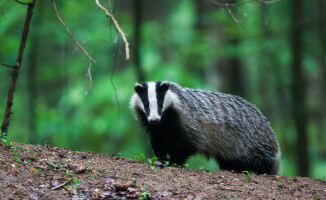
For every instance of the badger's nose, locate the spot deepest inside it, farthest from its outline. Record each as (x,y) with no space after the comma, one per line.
(154,121)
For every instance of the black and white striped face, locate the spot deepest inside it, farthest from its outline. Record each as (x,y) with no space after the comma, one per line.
(150,99)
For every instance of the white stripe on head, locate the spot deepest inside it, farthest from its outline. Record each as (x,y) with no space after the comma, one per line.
(136,102)
(153,109)
(171,99)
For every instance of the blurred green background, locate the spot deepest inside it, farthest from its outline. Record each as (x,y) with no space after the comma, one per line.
(273,55)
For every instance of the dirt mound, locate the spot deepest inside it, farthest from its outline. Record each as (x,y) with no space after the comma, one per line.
(45,172)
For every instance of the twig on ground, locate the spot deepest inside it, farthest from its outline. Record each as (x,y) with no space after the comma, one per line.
(63,184)
(78,45)
(123,35)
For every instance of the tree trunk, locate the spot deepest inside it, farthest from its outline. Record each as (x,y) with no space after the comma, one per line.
(322,34)
(299,88)
(16,68)
(32,90)
(137,39)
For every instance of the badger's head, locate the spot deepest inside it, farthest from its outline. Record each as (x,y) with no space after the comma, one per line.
(152,99)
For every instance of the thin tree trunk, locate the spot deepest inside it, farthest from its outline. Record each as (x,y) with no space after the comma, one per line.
(233,69)
(138,12)
(322,34)
(235,73)
(16,67)
(32,90)
(299,88)
(32,77)
(137,39)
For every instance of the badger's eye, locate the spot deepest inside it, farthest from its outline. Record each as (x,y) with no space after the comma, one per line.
(146,105)
(160,105)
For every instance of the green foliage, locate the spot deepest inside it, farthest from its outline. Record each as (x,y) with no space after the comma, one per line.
(76,182)
(145,194)
(248,175)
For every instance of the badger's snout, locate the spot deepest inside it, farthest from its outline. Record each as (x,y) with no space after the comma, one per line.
(154,121)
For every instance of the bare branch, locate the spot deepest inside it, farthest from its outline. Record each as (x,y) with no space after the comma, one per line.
(233,17)
(23,3)
(69,32)
(123,35)
(8,65)
(89,74)
(78,45)
(222,4)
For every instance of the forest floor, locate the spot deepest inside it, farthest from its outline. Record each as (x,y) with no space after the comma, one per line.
(46,172)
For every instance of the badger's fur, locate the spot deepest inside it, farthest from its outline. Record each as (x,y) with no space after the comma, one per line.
(183,121)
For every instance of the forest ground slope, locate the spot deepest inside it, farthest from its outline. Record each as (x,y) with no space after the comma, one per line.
(46,172)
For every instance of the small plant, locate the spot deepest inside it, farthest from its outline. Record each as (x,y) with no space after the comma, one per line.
(245,172)
(76,182)
(46,142)
(248,176)
(140,157)
(37,170)
(144,195)
(69,173)
(31,152)
(202,169)
(6,141)
(151,161)
(3,135)
(316,197)
(170,170)
(282,186)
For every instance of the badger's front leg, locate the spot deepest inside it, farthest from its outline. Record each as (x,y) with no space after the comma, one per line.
(179,157)
(161,155)
(160,150)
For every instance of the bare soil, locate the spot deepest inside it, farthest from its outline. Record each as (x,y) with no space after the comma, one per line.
(46,172)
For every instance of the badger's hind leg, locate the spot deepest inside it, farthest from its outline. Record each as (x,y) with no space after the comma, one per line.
(231,165)
(275,168)
(267,166)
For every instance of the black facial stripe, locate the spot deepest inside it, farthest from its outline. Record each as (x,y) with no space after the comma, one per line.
(144,97)
(160,97)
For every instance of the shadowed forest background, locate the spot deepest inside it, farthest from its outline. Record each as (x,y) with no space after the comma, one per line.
(273,55)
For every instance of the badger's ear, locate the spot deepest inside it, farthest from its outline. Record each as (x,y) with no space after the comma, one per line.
(138,87)
(164,86)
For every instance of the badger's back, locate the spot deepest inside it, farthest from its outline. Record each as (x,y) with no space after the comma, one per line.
(222,126)
(227,128)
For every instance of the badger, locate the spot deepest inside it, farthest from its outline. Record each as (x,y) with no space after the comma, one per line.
(182,122)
